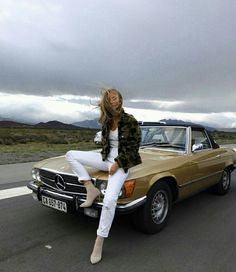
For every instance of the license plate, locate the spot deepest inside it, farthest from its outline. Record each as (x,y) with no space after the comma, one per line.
(54,203)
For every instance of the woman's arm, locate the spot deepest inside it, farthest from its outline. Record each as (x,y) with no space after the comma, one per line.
(129,142)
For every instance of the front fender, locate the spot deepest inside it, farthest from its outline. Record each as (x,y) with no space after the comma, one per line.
(160,176)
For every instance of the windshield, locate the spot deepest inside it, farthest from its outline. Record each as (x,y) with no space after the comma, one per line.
(173,138)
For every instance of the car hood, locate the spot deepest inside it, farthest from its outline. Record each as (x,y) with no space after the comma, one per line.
(153,161)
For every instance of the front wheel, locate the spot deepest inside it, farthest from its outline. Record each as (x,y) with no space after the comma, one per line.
(152,217)
(223,186)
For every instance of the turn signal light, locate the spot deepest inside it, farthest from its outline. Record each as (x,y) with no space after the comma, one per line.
(128,188)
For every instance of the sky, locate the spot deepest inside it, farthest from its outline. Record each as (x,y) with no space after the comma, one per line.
(170,59)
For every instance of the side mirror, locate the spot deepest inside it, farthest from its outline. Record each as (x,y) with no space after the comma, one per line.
(197,147)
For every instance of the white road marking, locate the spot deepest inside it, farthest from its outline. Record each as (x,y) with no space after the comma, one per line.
(18,191)
(48,247)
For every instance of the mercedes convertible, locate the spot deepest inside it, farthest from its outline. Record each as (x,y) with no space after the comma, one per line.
(177,162)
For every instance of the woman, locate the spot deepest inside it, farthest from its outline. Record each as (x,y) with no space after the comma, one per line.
(120,144)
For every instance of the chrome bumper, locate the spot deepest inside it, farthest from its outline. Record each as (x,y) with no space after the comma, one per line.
(120,208)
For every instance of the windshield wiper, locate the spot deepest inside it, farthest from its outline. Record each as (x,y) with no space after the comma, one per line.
(164,144)
(155,144)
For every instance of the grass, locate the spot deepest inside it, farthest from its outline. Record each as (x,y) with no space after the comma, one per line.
(34,144)
(12,136)
(224,137)
(29,152)
(45,147)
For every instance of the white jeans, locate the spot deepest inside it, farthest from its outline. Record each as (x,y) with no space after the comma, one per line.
(77,161)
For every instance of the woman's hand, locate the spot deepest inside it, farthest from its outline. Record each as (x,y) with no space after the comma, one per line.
(113,168)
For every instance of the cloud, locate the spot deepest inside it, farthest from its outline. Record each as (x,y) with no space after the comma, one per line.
(170,56)
(34,109)
(71,108)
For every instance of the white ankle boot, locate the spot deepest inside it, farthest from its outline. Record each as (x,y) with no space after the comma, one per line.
(92,193)
(96,255)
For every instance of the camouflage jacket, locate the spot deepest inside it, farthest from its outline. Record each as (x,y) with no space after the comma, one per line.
(129,137)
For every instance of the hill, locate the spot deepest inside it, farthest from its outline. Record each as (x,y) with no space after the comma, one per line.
(88,124)
(49,125)
(55,124)
(180,122)
(8,124)
(92,124)
(227,129)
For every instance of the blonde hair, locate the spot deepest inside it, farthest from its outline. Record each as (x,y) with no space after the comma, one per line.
(106,112)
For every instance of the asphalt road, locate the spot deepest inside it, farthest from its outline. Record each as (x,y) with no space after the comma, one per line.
(200,236)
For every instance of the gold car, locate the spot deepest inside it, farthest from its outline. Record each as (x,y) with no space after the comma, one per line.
(178,161)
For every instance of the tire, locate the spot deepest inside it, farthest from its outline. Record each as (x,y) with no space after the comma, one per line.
(152,217)
(223,186)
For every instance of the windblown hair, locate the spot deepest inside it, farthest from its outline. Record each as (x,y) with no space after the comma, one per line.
(106,112)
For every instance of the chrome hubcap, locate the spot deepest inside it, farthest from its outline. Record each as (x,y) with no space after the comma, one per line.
(225,180)
(159,207)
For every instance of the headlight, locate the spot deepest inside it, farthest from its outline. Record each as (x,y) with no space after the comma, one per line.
(101,185)
(126,190)
(35,174)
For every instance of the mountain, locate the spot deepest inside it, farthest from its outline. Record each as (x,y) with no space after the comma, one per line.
(88,124)
(176,122)
(93,124)
(55,124)
(4,119)
(51,124)
(227,129)
(180,122)
(14,124)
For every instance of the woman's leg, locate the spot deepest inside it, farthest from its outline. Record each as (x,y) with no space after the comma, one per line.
(77,160)
(96,255)
(115,183)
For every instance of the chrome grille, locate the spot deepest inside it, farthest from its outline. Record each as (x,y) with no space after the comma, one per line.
(71,182)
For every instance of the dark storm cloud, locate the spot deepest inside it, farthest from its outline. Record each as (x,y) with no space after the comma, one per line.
(162,50)
(225,102)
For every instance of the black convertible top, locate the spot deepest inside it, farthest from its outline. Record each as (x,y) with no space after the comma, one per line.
(143,123)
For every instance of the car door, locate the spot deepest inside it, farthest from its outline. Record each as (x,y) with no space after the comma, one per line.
(204,165)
